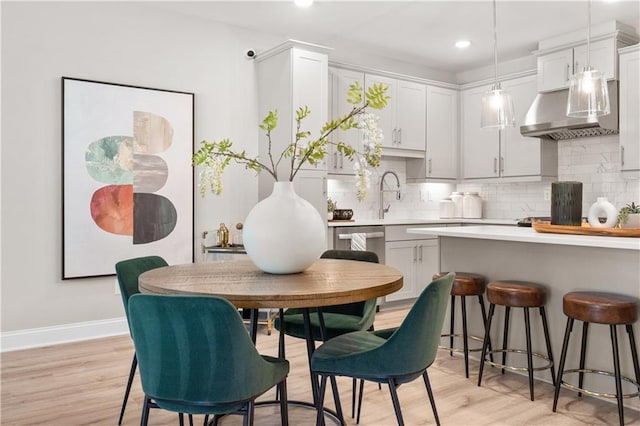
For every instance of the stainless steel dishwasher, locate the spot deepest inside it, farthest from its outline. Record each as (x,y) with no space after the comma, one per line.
(370,238)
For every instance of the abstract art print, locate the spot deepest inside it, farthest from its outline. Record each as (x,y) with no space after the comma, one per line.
(127,175)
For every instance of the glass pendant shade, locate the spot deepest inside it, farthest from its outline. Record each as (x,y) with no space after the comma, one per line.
(588,94)
(497,109)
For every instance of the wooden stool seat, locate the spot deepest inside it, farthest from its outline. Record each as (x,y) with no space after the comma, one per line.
(465,283)
(520,294)
(601,308)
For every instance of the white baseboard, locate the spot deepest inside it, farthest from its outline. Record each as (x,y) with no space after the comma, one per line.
(55,335)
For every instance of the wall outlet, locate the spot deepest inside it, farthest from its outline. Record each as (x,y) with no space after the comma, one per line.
(546,194)
(117,287)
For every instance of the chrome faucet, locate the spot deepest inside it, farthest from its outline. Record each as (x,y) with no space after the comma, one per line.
(382,209)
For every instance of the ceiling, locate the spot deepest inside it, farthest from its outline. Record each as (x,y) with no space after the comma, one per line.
(418,32)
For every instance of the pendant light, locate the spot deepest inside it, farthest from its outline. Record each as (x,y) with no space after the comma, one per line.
(497,105)
(588,92)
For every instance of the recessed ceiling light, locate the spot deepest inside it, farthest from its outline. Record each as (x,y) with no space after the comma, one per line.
(463,44)
(303,3)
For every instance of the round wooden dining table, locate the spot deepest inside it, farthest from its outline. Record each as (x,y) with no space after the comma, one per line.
(326,282)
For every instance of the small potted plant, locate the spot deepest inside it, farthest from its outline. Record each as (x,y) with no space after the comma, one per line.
(629,216)
(331,206)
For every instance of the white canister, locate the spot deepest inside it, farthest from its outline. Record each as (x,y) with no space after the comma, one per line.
(471,206)
(602,207)
(447,208)
(456,197)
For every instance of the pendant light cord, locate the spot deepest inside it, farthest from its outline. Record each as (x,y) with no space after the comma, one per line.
(589,38)
(495,45)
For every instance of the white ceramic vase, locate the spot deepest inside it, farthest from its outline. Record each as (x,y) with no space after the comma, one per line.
(602,207)
(284,233)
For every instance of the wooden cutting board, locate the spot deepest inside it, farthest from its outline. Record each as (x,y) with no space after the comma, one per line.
(585,229)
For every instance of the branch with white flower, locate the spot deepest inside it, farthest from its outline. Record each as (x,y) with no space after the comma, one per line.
(214,157)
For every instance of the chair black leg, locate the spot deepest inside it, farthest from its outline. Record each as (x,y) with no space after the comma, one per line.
(563,358)
(547,339)
(484,321)
(465,343)
(360,400)
(206,420)
(281,353)
(452,323)
(132,372)
(336,399)
(284,407)
(396,401)
(320,401)
(190,420)
(527,326)
(583,354)
(248,416)
(144,419)
(634,354)
(432,400)
(485,342)
(353,397)
(181,419)
(505,336)
(616,370)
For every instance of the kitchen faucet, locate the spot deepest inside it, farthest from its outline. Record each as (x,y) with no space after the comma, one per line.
(382,209)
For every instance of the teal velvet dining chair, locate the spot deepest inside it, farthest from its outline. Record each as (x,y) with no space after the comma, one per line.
(338,319)
(196,357)
(127,272)
(395,356)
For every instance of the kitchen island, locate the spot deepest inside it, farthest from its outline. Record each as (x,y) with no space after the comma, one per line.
(561,262)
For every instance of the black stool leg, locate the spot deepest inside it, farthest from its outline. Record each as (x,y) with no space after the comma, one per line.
(527,326)
(563,358)
(465,343)
(485,342)
(484,321)
(634,353)
(545,327)
(583,354)
(616,369)
(452,323)
(505,336)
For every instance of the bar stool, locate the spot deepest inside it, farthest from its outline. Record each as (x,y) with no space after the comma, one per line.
(517,294)
(600,308)
(464,284)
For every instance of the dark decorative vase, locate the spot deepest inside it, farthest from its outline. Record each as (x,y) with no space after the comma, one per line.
(566,203)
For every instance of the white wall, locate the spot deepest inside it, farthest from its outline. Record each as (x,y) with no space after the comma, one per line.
(113,42)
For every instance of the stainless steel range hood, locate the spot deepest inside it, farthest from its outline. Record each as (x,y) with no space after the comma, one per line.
(547,117)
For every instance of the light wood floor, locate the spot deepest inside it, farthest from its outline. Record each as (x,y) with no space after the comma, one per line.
(83,384)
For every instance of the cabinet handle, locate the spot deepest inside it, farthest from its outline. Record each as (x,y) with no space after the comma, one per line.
(420,248)
(399,136)
(495,164)
(622,155)
(502,164)
(335,160)
(429,166)
(415,254)
(568,71)
(341,161)
(393,137)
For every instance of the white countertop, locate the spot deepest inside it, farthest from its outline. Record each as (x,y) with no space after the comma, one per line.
(371,222)
(529,235)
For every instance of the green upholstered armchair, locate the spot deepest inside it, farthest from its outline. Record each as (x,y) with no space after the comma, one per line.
(393,356)
(338,319)
(128,272)
(196,357)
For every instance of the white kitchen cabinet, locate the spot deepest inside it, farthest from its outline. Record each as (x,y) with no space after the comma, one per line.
(441,151)
(403,121)
(290,76)
(630,108)
(340,81)
(489,153)
(417,260)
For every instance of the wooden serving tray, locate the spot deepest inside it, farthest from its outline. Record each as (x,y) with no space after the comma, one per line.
(585,229)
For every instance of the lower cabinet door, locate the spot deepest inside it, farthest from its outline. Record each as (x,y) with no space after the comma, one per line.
(417,260)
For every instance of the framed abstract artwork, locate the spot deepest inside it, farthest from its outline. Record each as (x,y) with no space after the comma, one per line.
(127,176)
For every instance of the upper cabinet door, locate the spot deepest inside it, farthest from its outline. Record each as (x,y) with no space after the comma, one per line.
(554,70)
(603,57)
(411,108)
(387,116)
(520,155)
(481,147)
(341,80)
(442,133)
(630,110)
